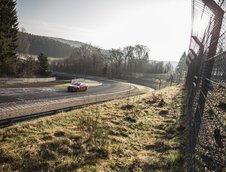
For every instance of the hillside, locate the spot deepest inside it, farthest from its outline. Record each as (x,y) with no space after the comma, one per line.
(41,44)
(69,42)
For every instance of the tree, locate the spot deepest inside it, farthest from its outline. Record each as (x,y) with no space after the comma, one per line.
(168,67)
(141,55)
(160,67)
(128,52)
(27,67)
(86,60)
(97,60)
(8,37)
(117,57)
(43,65)
(182,67)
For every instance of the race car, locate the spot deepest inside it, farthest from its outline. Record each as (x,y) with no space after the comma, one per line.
(77,86)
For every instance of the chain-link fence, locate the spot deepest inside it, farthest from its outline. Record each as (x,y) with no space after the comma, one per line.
(206,86)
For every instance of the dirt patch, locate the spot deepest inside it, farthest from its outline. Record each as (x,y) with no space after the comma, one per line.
(130,119)
(47,138)
(59,134)
(161,103)
(127,107)
(163,112)
(222,106)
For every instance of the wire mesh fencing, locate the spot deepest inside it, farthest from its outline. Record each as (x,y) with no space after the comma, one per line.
(206,86)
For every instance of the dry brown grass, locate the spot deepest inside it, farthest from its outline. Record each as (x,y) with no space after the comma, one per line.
(121,135)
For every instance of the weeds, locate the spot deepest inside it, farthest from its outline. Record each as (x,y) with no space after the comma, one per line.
(97,133)
(174,159)
(4,135)
(135,134)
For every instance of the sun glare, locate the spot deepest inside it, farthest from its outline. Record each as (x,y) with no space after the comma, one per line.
(200,25)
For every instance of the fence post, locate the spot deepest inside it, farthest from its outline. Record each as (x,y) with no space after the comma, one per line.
(192,84)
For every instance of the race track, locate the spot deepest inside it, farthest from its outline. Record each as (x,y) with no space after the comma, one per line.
(12,96)
(18,103)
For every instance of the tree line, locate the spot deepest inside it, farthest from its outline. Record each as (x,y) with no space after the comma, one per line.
(112,63)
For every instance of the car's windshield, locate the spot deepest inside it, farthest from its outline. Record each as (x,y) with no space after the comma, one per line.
(77,84)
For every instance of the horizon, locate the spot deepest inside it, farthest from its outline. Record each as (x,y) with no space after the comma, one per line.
(98,22)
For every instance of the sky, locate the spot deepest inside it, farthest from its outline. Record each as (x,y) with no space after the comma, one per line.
(162,25)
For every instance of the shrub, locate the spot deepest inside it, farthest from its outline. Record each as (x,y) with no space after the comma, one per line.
(96,131)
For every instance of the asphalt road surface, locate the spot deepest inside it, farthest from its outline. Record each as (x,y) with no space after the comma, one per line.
(9,96)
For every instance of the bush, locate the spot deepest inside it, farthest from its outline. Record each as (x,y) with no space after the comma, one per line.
(96,132)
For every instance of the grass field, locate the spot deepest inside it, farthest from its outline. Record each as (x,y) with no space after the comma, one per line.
(142,133)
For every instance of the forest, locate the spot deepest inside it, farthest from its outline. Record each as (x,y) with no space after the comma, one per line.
(34,44)
(117,63)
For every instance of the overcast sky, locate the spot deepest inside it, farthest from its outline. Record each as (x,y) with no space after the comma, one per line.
(162,25)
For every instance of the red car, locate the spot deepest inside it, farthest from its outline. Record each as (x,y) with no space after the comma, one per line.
(75,87)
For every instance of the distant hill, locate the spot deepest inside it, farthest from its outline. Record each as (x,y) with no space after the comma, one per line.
(69,42)
(52,47)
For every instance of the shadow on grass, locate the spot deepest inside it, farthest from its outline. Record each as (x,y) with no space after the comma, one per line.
(173,157)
